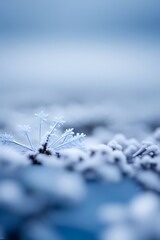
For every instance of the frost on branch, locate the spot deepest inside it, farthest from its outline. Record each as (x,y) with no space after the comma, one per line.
(50,142)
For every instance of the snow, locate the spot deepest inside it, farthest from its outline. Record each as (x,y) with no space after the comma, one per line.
(119,232)
(112,213)
(150,180)
(55,184)
(144,207)
(10,158)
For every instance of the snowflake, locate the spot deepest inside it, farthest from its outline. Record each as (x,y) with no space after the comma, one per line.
(5,138)
(41,116)
(24,129)
(51,141)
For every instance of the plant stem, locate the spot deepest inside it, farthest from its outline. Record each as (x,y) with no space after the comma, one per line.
(59,139)
(21,145)
(29,141)
(40,131)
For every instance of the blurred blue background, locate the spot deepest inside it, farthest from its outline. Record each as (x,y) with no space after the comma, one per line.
(79,51)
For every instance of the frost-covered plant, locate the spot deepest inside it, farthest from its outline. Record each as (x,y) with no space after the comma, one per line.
(51,141)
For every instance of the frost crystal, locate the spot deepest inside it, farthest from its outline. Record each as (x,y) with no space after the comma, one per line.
(42,116)
(6,138)
(51,141)
(24,129)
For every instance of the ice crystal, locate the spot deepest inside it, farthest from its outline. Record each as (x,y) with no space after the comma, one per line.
(24,129)
(51,141)
(6,138)
(41,116)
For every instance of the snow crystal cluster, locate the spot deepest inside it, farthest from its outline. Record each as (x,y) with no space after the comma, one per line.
(50,141)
